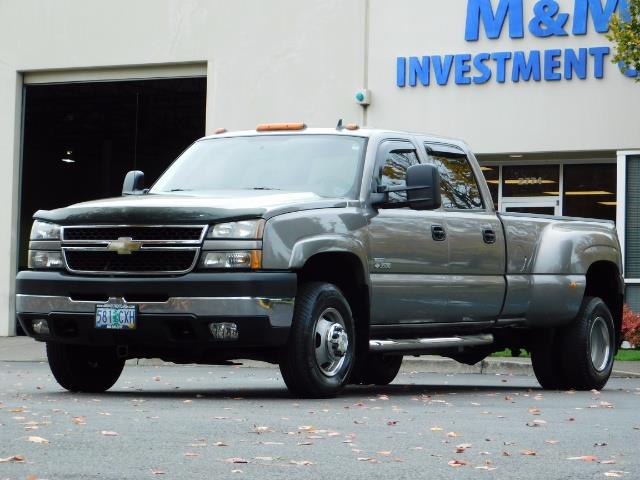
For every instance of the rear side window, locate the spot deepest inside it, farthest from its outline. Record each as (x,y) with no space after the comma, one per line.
(394,169)
(458,184)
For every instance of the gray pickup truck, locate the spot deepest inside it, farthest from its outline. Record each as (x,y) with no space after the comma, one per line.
(331,252)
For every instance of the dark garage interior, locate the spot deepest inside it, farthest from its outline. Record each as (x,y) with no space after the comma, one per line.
(80,139)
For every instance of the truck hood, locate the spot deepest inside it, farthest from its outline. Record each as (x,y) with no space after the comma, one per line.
(187,208)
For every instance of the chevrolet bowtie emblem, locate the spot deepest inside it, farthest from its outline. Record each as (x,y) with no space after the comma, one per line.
(124,246)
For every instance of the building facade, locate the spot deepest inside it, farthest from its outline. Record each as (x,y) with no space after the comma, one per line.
(89,90)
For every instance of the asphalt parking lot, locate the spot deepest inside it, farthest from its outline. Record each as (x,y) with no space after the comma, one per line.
(240,422)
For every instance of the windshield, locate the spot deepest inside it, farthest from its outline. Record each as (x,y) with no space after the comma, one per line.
(326,165)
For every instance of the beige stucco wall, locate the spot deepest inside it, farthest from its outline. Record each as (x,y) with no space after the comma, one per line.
(288,60)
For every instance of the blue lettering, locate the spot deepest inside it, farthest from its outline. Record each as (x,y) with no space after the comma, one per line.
(575,63)
(401,71)
(628,72)
(418,69)
(526,68)
(600,15)
(485,71)
(551,63)
(442,69)
(462,68)
(501,61)
(598,54)
(547,20)
(493,22)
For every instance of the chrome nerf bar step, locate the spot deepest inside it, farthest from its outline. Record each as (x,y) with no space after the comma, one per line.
(427,344)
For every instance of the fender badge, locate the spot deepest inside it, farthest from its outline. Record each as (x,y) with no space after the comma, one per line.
(124,246)
(573,285)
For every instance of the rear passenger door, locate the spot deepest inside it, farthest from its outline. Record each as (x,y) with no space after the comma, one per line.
(408,257)
(476,240)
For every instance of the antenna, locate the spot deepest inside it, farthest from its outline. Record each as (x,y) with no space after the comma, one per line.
(339,125)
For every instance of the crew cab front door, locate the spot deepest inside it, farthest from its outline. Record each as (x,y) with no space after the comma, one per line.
(408,248)
(476,241)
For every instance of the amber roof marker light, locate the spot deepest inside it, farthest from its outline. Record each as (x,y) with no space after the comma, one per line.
(274,127)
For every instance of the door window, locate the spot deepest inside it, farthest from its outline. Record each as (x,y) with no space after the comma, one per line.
(458,185)
(393,171)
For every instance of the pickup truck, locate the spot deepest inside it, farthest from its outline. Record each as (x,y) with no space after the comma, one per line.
(331,252)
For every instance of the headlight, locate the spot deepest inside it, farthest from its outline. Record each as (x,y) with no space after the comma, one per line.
(248,259)
(246,229)
(45,231)
(45,259)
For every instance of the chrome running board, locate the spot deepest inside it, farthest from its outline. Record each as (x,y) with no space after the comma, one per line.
(427,344)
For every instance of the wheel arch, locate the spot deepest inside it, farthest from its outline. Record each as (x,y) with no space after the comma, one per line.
(346,271)
(604,281)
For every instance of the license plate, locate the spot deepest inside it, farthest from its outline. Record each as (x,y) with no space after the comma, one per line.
(116,316)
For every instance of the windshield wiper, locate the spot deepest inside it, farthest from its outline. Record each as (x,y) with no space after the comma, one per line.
(262,188)
(181,190)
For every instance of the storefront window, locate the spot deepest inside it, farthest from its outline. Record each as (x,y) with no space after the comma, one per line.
(530,180)
(590,191)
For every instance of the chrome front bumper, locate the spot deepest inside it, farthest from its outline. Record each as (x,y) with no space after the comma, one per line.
(279,310)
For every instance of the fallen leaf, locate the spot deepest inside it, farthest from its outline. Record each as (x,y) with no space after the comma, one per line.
(307,428)
(600,444)
(13,459)
(536,423)
(109,433)
(191,455)
(534,411)
(614,473)
(17,410)
(157,472)
(436,429)
(385,453)
(392,422)
(607,462)
(584,458)
(236,460)
(38,440)
(301,462)
(79,420)
(452,434)
(530,453)
(220,444)
(236,471)
(456,463)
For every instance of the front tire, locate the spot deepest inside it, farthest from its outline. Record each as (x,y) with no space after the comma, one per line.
(80,368)
(589,346)
(320,352)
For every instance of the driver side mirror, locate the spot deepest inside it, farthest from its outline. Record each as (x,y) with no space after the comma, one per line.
(422,184)
(423,187)
(133,183)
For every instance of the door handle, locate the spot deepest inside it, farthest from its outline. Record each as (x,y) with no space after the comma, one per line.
(488,235)
(438,233)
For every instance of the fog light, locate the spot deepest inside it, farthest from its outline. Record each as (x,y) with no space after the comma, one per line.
(40,326)
(224,331)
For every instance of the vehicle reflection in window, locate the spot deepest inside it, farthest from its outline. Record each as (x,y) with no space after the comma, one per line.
(458,185)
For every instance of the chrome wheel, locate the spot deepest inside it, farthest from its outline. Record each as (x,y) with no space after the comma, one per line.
(331,342)
(600,344)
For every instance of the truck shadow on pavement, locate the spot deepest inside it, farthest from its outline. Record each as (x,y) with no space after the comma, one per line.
(278,392)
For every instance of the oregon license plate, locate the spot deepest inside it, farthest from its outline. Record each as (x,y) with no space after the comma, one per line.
(116,316)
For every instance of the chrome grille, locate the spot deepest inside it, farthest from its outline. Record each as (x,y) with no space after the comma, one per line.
(148,250)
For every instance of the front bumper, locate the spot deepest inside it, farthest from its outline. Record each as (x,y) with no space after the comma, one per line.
(174,313)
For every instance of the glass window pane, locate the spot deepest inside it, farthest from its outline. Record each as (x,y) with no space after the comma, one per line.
(492,176)
(394,171)
(458,185)
(632,227)
(590,191)
(530,180)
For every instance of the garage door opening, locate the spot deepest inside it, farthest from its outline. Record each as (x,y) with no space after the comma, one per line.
(80,139)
